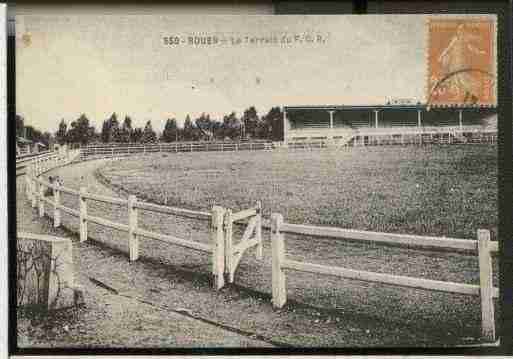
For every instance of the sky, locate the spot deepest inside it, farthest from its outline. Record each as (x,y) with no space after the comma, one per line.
(97,65)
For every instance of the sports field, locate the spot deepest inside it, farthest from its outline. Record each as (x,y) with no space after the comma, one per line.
(434,190)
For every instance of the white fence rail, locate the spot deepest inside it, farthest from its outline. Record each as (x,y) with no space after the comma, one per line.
(119,150)
(482,246)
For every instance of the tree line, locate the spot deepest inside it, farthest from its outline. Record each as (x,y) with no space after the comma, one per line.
(250,126)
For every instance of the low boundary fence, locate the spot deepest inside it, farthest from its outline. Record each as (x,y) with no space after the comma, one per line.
(36,193)
(119,150)
(226,255)
(482,246)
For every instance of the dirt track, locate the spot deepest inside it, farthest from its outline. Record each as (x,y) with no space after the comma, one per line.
(324,311)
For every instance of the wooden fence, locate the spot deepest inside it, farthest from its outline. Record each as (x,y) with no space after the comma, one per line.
(121,150)
(36,193)
(226,255)
(483,247)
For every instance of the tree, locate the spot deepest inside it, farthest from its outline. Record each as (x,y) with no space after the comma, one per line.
(170,133)
(80,131)
(250,122)
(20,126)
(148,134)
(272,126)
(62,132)
(110,129)
(125,133)
(231,126)
(137,134)
(188,129)
(205,127)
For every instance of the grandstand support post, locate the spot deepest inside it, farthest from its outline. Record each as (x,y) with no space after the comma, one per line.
(331,118)
(461,119)
(486,285)
(419,118)
(285,126)
(279,288)
(376,118)
(56,204)
(83,214)
(218,255)
(133,239)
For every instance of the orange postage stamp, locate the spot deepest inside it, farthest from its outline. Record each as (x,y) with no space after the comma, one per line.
(461,62)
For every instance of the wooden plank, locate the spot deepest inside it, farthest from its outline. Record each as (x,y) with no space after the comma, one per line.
(493,246)
(249,229)
(486,286)
(217,240)
(175,240)
(228,245)
(56,211)
(40,237)
(443,244)
(258,232)
(47,200)
(133,239)
(402,281)
(83,214)
(244,214)
(107,223)
(69,191)
(173,210)
(279,288)
(106,199)
(68,210)
(41,200)
(243,246)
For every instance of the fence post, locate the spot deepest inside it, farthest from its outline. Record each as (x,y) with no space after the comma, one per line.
(486,285)
(133,240)
(83,214)
(258,231)
(228,245)
(217,240)
(41,203)
(56,204)
(33,186)
(28,183)
(278,255)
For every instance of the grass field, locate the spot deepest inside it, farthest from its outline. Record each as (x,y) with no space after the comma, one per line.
(433,190)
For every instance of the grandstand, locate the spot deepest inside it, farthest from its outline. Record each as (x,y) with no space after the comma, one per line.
(389,124)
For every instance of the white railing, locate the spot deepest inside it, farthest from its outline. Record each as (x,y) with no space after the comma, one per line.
(483,247)
(36,187)
(312,133)
(121,150)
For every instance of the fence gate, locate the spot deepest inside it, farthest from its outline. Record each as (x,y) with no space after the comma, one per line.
(251,237)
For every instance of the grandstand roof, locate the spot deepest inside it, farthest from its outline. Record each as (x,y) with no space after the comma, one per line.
(383,107)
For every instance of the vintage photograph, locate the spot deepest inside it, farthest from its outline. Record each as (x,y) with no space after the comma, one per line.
(256,181)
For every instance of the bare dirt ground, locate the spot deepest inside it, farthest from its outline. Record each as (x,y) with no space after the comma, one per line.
(322,311)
